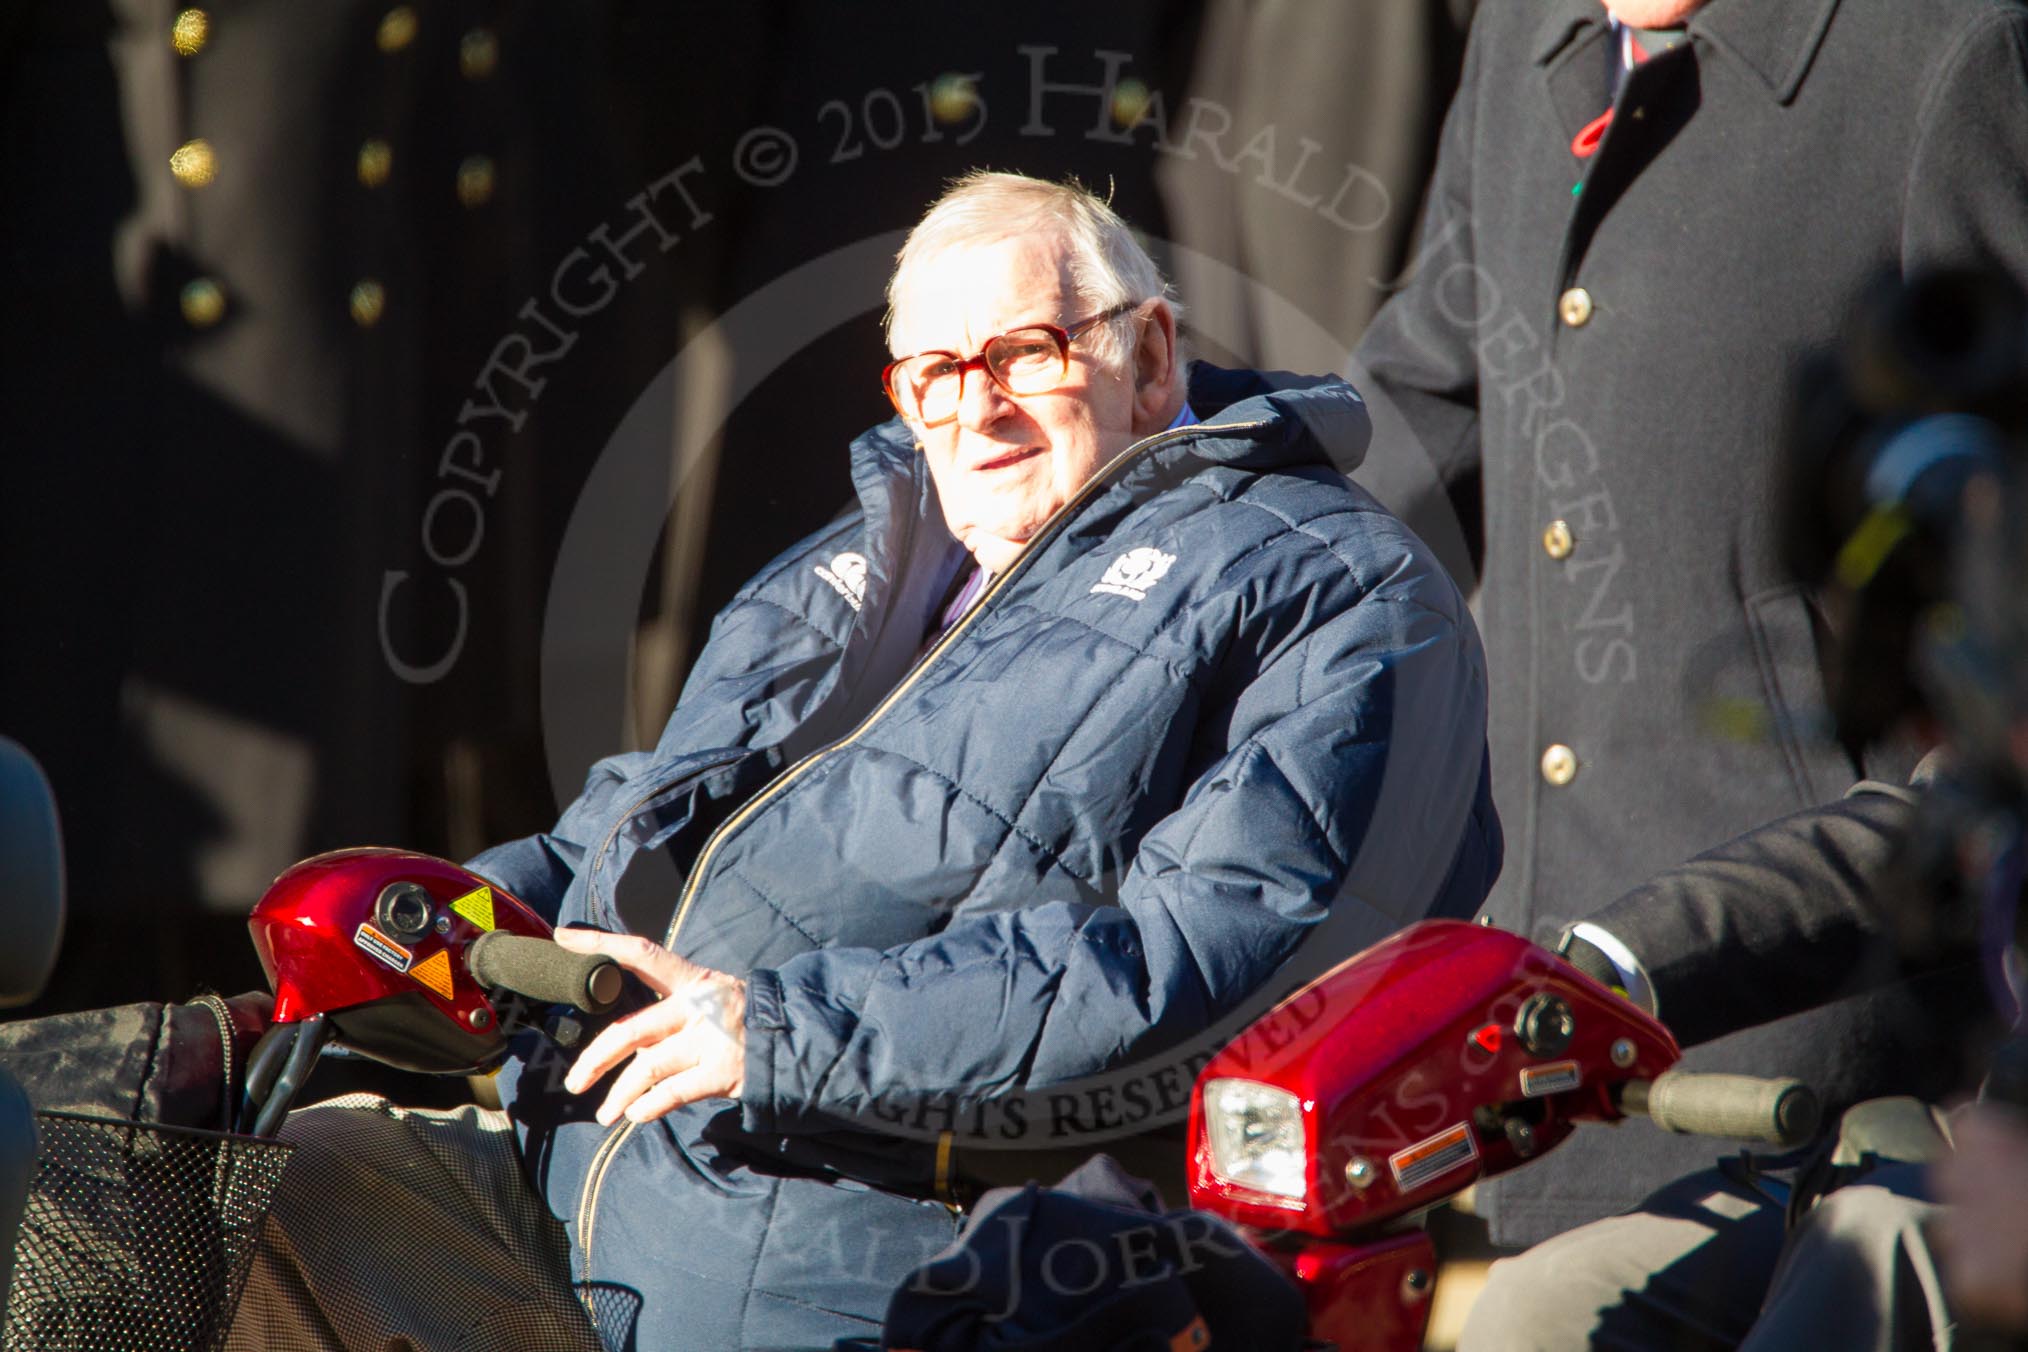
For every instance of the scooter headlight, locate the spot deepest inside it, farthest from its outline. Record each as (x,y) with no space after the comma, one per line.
(1256,1134)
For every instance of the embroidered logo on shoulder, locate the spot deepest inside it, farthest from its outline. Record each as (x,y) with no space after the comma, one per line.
(1133,573)
(847,576)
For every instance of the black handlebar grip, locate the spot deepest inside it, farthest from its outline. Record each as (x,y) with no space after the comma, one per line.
(1742,1107)
(545,971)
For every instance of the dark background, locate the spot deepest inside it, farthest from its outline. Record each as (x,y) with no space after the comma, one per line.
(223,406)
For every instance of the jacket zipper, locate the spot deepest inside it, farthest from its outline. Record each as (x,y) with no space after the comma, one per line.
(950,636)
(615,1138)
(602,1158)
(608,1149)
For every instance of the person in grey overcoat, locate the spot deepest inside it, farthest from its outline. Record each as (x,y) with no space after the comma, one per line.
(1595,342)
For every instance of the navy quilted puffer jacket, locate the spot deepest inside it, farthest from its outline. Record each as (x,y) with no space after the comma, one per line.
(1223,708)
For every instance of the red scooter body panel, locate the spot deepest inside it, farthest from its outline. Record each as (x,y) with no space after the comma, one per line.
(331,939)
(1414,1078)
(1367,1297)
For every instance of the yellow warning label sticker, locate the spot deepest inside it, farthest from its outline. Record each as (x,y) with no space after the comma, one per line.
(476,907)
(434,971)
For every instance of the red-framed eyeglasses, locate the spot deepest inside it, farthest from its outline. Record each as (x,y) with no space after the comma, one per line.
(927,388)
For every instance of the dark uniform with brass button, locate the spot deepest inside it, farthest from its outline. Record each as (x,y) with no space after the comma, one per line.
(1605,332)
(182,522)
(256,255)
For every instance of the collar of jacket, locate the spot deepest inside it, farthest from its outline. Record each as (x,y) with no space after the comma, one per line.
(911,557)
(1776,40)
(1314,418)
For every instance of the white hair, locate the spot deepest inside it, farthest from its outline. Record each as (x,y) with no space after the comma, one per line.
(1108,266)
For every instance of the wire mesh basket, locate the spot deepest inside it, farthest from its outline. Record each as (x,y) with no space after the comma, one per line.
(136,1236)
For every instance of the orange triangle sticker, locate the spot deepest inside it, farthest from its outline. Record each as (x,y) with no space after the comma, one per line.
(476,907)
(435,972)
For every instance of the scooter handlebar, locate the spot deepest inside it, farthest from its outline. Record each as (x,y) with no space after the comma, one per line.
(1743,1107)
(542,970)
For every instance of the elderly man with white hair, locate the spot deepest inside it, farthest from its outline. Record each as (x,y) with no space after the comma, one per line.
(987,805)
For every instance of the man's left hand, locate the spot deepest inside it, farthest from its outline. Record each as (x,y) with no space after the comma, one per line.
(689,1045)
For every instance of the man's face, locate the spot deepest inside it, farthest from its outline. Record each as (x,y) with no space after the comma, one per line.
(1006,463)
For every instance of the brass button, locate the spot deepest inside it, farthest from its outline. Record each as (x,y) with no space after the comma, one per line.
(376,161)
(397,29)
(475,181)
(478,53)
(1574,307)
(194,164)
(368,302)
(202,302)
(1559,764)
(953,98)
(188,34)
(1557,541)
(1130,103)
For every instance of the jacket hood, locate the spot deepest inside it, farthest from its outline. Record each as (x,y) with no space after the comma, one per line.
(1321,418)
(1252,421)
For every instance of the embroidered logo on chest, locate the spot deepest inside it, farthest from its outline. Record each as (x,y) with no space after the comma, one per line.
(1133,573)
(847,576)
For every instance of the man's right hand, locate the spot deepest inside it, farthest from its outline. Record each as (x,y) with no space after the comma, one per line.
(688,1045)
